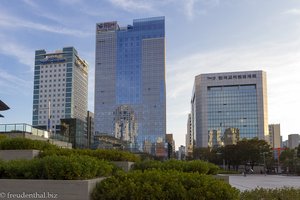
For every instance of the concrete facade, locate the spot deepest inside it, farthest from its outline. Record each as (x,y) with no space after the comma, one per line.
(293,140)
(126,166)
(275,138)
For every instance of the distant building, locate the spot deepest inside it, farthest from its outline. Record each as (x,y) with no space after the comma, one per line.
(90,128)
(125,124)
(231,136)
(130,93)
(74,130)
(171,145)
(189,138)
(229,100)
(60,91)
(22,130)
(181,153)
(214,139)
(293,140)
(285,144)
(274,133)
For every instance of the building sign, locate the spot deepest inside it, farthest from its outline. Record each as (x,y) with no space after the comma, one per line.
(52,60)
(107,26)
(228,77)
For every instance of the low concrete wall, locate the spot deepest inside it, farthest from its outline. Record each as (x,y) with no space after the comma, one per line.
(126,166)
(47,189)
(18,154)
(222,177)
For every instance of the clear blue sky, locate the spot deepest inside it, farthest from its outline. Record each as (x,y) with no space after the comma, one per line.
(202,36)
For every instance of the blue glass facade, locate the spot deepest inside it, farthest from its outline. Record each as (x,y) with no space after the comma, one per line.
(129,58)
(233,106)
(130,78)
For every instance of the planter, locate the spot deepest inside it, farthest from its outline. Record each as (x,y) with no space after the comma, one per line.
(18,154)
(47,189)
(222,177)
(125,165)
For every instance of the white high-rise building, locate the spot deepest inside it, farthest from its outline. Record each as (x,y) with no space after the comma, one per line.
(275,138)
(60,88)
(236,100)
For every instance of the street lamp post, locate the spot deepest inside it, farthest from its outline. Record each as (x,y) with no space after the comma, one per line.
(264,162)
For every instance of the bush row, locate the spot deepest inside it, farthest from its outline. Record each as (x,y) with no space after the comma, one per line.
(157,184)
(199,166)
(271,194)
(50,149)
(56,167)
(2,137)
(103,154)
(24,143)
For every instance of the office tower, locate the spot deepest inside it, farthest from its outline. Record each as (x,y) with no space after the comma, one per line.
(189,138)
(274,133)
(90,128)
(181,153)
(231,136)
(130,100)
(235,100)
(60,90)
(293,140)
(171,145)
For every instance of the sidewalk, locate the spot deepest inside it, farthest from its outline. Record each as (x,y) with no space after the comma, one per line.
(250,182)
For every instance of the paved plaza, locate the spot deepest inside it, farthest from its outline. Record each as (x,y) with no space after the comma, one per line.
(250,182)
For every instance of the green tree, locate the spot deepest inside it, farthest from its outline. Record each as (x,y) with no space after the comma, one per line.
(253,151)
(290,161)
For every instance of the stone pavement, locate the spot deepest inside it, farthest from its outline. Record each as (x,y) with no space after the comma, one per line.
(269,181)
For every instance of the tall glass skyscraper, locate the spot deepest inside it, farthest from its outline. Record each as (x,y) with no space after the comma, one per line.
(228,105)
(130,94)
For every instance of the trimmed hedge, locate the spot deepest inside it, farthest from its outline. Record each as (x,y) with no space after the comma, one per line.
(157,184)
(56,167)
(271,194)
(199,166)
(103,154)
(24,143)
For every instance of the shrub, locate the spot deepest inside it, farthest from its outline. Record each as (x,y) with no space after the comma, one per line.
(199,166)
(2,137)
(56,167)
(157,184)
(271,194)
(102,154)
(24,143)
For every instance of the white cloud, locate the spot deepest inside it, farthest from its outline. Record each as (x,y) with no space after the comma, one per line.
(31,3)
(281,61)
(8,21)
(23,54)
(293,11)
(133,5)
(12,84)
